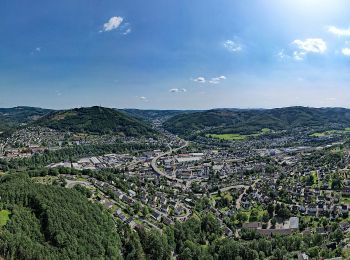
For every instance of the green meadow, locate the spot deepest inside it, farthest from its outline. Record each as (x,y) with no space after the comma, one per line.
(237,137)
(330,132)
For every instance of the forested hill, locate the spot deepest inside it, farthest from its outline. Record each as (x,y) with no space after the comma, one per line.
(51,222)
(13,117)
(156,114)
(252,120)
(95,120)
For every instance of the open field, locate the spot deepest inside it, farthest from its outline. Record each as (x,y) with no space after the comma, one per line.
(237,137)
(331,132)
(227,137)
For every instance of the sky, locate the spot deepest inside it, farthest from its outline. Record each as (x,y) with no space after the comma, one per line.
(175,54)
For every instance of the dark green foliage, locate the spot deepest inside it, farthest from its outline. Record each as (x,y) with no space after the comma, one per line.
(83,190)
(252,121)
(96,120)
(155,244)
(49,222)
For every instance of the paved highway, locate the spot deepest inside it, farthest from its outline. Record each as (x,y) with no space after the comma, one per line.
(159,171)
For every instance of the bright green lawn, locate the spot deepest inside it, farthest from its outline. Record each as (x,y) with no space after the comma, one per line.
(318,134)
(4,217)
(330,132)
(237,137)
(228,137)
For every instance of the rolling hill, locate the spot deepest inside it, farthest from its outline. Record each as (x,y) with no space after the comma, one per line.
(13,117)
(161,115)
(95,120)
(252,120)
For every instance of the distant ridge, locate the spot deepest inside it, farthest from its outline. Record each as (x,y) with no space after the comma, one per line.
(151,114)
(13,117)
(251,120)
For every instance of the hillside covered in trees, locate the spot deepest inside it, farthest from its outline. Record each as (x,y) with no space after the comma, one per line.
(13,117)
(51,222)
(252,120)
(95,120)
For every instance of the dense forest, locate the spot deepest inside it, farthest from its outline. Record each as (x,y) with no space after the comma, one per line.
(50,222)
(95,120)
(253,120)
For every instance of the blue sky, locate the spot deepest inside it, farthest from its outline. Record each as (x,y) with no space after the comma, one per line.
(169,54)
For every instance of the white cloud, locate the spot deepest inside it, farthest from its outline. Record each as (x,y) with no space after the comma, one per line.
(338,31)
(36,50)
(200,80)
(143,98)
(177,90)
(297,55)
(346,51)
(113,23)
(233,46)
(127,31)
(282,54)
(311,45)
(217,80)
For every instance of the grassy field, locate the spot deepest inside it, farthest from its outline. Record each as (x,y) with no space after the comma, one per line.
(237,137)
(227,137)
(4,217)
(330,132)
(318,134)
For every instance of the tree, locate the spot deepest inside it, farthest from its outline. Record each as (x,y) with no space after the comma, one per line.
(210,224)
(337,235)
(336,183)
(270,209)
(155,245)
(254,215)
(265,218)
(242,217)
(273,222)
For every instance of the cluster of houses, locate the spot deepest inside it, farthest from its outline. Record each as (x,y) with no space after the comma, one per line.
(290,226)
(163,208)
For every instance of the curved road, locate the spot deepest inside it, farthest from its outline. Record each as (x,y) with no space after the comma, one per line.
(238,201)
(159,171)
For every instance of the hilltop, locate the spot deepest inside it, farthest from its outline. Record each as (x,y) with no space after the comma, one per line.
(252,120)
(95,120)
